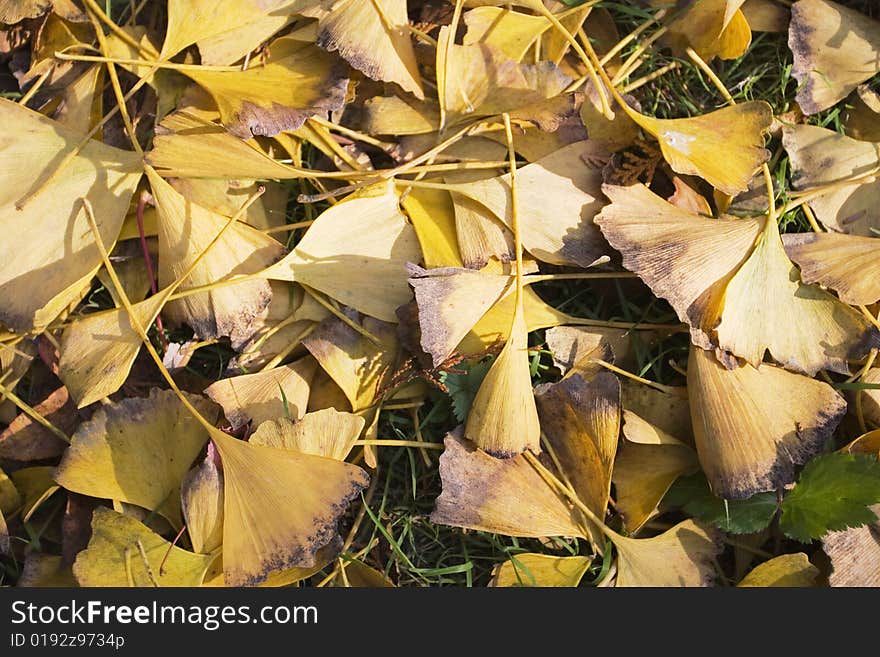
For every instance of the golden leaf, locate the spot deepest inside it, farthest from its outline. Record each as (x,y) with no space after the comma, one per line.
(788,570)
(849,265)
(541,570)
(327,432)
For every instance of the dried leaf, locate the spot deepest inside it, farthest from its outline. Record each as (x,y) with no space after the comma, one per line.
(542,570)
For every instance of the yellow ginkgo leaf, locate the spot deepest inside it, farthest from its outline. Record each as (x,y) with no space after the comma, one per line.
(190,146)
(10,502)
(356,252)
(136,451)
(265,395)
(327,432)
(667,410)
(185,230)
(511,32)
(45,570)
(681,556)
(503,418)
(820,157)
(432,214)
(478,80)
(297,81)
(867,443)
(505,496)
(35,486)
(683,257)
(124,552)
(746,440)
(581,422)
(786,570)
(558,197)
(855,555)
(648,463)
(766,15)
(835,50)
(225,197)
(360,575)
(201,498)
(847,264)
(766,308)
(724,147)
(280,507)
(871,398)
(255,29)
(357,364)
(482,237)
(543,570)
(98,350)
(712,28)
(374,38)
(863,115)
(15,11)
(573,346)
(393,115)
(38,282)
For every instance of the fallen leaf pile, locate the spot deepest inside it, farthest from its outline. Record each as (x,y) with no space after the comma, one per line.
(251,249)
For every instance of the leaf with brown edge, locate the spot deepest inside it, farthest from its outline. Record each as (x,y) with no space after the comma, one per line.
(786,570)
(835,50)
(374,38)
(712,28)
(855,555)
(766,308)
(136,451)
(504,496)
(847,264)
(280,507)
(327,432)
(124,552)
(649,462)
(48,253)
(681,556)
(185,231)
(746,440)
(724,147)
(298,80)
(683,257)
(356,252)
(265,395)
(821,157)
(15,11)
(357,364)
(201,498)
(542,570)
(581,423)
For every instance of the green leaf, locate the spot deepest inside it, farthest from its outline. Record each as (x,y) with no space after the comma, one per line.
(833,493)
(462,388)
(692,495)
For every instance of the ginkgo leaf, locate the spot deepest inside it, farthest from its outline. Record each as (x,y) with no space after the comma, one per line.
(357,364)
(280,507)
(847,264)
(681,556)
(229,46)
(451,301)
(683,257)
(35,486)
(45,570)
(746,440)
(543,570)
(766,308)
(201,499)
(356,252)
(505,496)
(481,236)
(136,451)
(789,570)
(188,145)
(820,157)
(503,418)
(511,32)
(38,281)
(863,115)
(573,346)
(185,230)
(265,395)
(98,350)
(360,575)
(393,115)
(558,197)
(855,555)
(835,50)
(27,440)
(712,28)
(867,443)
(226,197)
(432,214)
(478,80)
(666,409)
(327,432)
(297,81)
(374,38)
(15,11)
(581,422)
(124,552)
(870,399)
(693,146)
(648,463)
